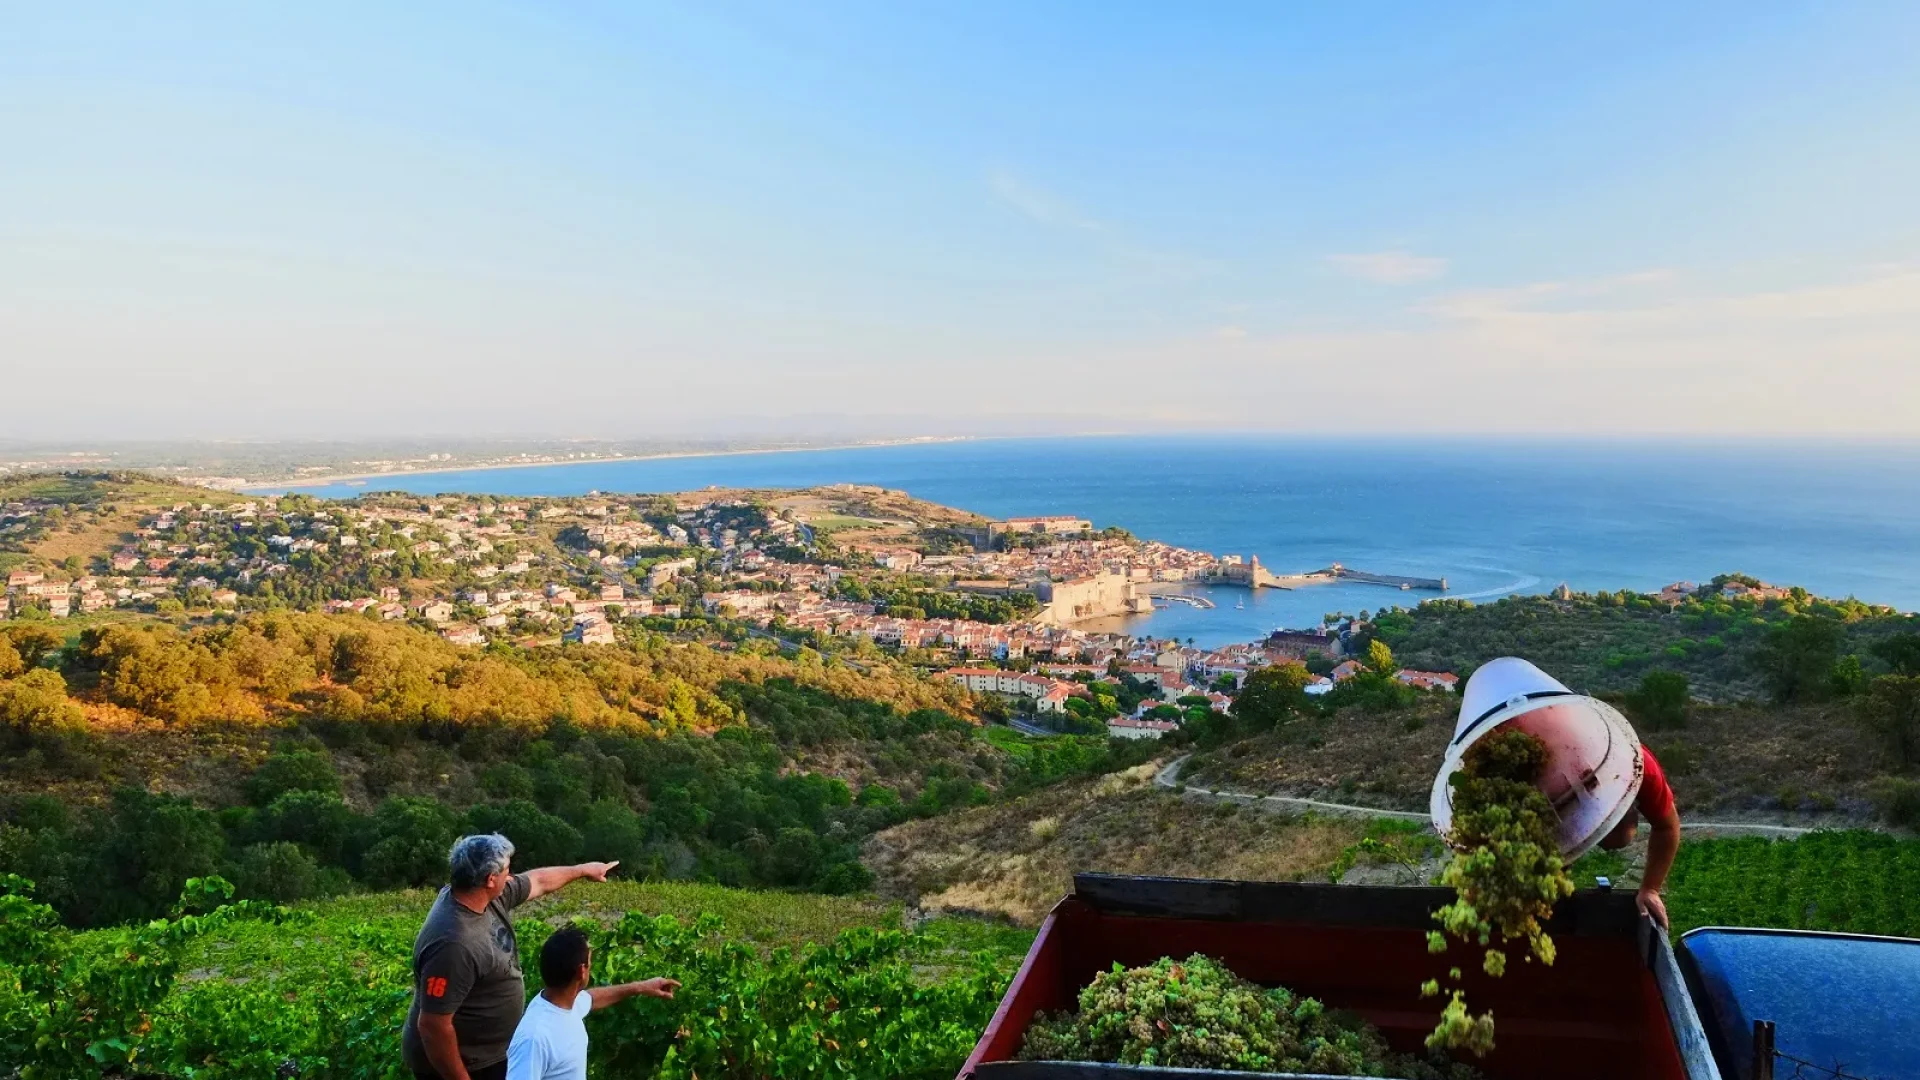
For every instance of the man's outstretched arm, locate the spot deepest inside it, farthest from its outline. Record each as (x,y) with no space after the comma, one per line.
(549,878)
(604,996)
(1663,843)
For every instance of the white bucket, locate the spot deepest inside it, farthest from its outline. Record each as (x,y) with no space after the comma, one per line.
(1593,755)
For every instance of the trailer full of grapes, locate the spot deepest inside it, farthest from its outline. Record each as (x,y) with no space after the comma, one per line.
(1613,1005)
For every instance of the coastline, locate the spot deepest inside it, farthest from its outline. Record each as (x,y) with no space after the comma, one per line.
(255,487)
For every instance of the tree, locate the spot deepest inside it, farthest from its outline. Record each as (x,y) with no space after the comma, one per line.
(153,670)
(143,852)
(843,877)
(280,872)
(11,663)
(292,770)
(878,795)
(36,704)
(1891,710)
(1380,659)
(794,857)
(411,838)
(506,780)
(1796,659)
(1901,652)
(1848,677)
(1105,701)
(34,643)
(1272,695)
(1898,800)
(316,820)
(1661,702)
(539,838)
(614,833)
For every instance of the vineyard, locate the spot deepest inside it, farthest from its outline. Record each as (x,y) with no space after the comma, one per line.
(1854,881)
(775,984)
(253,991)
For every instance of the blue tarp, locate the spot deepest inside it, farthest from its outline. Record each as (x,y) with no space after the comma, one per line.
(1839,1001)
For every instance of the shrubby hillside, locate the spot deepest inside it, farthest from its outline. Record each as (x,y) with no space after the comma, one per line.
(1603,642)
(305,755)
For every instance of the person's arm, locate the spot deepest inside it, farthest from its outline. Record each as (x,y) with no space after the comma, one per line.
(551,878)
(526,1059)
(1663,843)
(442,1047)
(441,981)
(604,996)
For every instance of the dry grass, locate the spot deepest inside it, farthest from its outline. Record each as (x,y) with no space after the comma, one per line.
(100,538)
(1385,760)
(998,861)
(1733,761)
(1741,759)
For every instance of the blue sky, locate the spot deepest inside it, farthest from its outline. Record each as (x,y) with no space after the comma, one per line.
(629,219)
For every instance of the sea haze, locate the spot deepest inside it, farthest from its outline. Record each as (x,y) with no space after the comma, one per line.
(1492,517)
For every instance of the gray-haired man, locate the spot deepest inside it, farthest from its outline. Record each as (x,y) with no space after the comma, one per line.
(467,988)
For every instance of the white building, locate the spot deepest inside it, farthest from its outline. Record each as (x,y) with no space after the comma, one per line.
(1125,727)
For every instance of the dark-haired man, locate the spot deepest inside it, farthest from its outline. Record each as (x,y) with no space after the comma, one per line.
(551,1041)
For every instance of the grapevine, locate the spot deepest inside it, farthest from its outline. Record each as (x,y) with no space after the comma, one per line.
(1196,1014)
(325,990)
(1506,871)
(866,1005)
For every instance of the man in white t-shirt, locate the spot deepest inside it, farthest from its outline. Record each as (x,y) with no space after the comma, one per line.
(551,1041)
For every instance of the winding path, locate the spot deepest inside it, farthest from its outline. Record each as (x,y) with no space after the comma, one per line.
(1169,777)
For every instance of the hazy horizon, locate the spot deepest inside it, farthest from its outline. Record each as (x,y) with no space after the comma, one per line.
(295,448)
(856,220)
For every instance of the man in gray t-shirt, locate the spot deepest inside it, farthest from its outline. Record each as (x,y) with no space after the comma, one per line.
(467,987)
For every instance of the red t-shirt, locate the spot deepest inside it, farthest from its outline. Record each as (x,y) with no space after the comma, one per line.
(1656,795)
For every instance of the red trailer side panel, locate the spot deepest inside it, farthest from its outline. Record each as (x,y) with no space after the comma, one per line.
(1597,1014)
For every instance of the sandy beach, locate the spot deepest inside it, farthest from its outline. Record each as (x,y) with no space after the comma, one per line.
(451,467)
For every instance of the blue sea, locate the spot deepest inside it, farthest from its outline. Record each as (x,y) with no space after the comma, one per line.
(1494,518)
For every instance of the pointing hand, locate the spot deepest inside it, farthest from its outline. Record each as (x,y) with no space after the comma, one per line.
(660,988)
(597,871)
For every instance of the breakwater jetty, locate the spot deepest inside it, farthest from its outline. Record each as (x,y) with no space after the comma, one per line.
(1254,576)
(1175,596)
(1341,573)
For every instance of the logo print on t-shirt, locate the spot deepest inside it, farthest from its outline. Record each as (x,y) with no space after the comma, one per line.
(503,941)
(436,987)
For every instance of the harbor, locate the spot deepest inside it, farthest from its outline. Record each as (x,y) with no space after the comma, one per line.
(1174,594)
(1250,574)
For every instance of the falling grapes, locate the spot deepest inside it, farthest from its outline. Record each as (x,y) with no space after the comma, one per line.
(1505,870)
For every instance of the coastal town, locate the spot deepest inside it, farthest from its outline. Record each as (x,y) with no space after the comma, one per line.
(1000,607)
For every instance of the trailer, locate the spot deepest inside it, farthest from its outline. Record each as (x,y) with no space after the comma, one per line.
(1614,1005)
(1620,1002)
